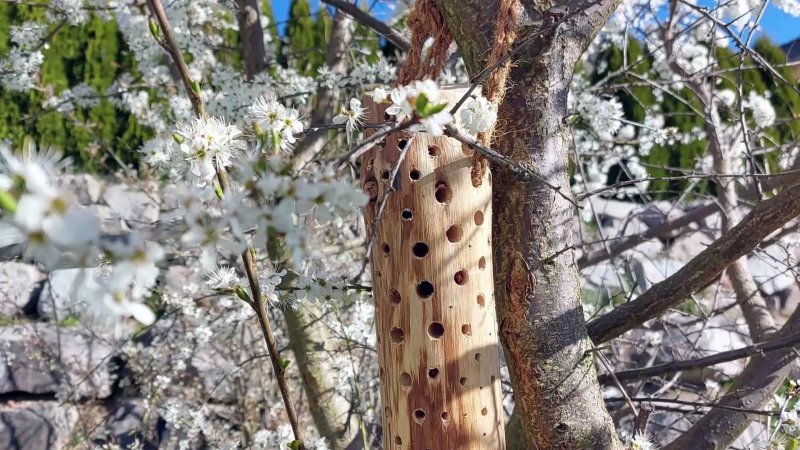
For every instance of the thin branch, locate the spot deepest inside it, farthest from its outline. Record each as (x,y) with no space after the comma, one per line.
(523,172)
(695,404)
(170,44)
(761,348)
(367,20)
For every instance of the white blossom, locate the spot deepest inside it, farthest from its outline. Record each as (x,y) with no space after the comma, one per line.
(477,115)
(352,116)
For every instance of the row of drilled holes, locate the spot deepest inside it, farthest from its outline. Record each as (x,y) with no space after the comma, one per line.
(407,214)
(395,298)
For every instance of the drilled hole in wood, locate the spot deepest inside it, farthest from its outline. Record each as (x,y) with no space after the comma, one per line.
(454,233)
(397,335)
(382,373)
(433,373)
(436,330)
(445,416)
(425,289)
(463,381)
(386,248)
(405,380)
(378,273)
(466,329)
(394,297)
(481,300)
(398,440)
(461,277)
(406,214)
(478,357)
(385,175)
(414,175)
(443,192)
(420,249)
(434,151)
(479,218)
(482,263)
(484,411)
(401,144)
(419,416)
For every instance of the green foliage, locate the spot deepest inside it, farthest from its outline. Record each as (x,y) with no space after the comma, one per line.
(96,138)
(680,109)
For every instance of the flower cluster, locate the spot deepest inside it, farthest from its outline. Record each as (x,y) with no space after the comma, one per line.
(477,115)
(270,117)
(419,100)
(56,231)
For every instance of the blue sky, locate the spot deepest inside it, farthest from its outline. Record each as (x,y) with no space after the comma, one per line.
(776,24)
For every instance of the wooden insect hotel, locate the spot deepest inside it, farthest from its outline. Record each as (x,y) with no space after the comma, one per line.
(433,289)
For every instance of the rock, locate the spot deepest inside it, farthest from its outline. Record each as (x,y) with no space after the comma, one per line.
(126,422)
(85,187)
(110,221)
(19,288)
(604,276)
(649,271)
(46,359)
(682,337)
(137,208)
(689,245)
(37,425)
(772,269)
(56,302)
(613,209)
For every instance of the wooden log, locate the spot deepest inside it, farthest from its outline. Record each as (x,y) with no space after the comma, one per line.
(434,293)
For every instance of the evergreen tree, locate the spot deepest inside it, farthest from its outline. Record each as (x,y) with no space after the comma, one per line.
(94,53)
(300,31)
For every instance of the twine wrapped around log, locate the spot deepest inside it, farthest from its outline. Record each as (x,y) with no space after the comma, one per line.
(434,293)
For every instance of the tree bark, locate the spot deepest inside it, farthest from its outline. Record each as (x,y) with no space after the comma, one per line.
(309,340)
(251,37)
(538,293)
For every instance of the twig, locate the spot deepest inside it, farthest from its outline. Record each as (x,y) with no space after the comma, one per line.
(695,404)
(393,181)
(518,169)
(170,45)
(367,20)
(760,348)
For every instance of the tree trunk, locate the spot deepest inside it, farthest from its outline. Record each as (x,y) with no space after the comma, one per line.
(310,340)
(538,296)
(432,278)
(537,290)
(251,37)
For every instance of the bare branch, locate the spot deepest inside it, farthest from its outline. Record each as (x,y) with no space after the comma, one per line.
(703,269)
(761,348)
(367,20)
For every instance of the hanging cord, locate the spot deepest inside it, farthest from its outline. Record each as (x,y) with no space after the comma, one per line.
(505,34)
(425,21)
